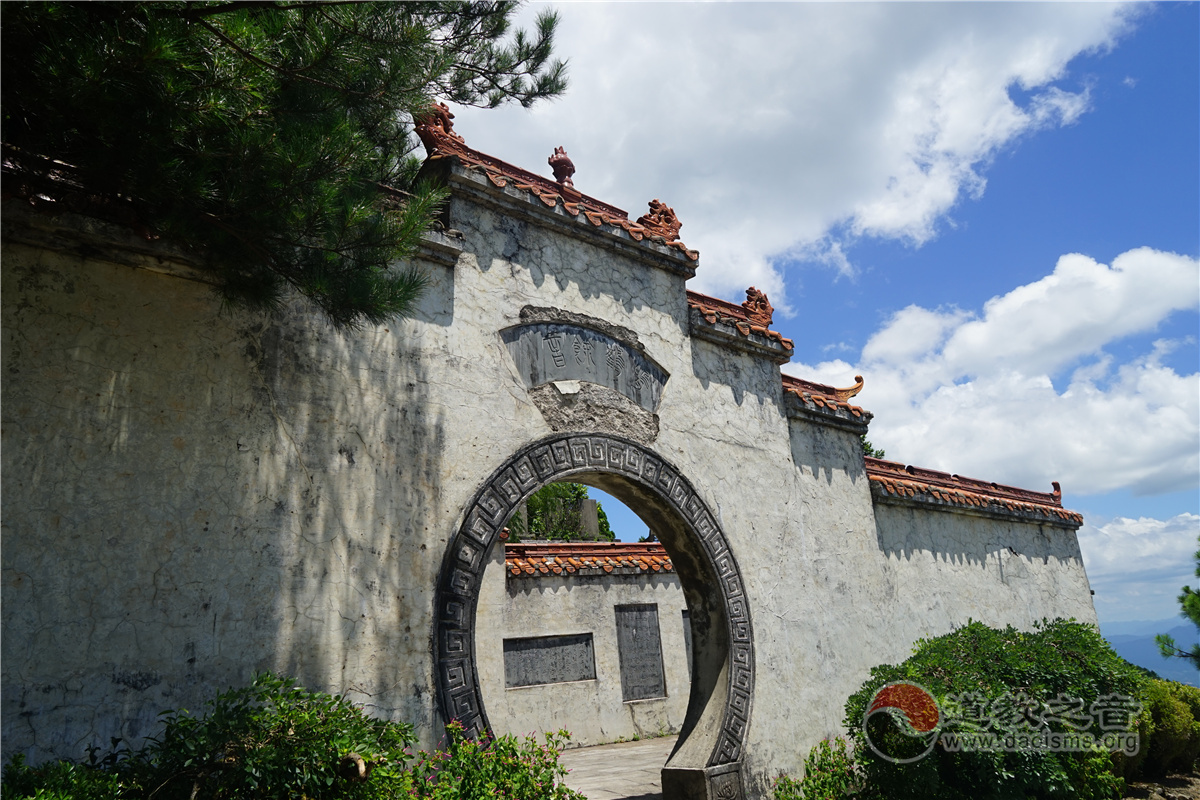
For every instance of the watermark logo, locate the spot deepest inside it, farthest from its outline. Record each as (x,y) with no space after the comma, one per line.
(904,722)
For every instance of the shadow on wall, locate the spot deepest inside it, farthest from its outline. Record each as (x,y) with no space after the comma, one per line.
(515,246)
(353,470)
(191,496)
(529,588)
(960,566)
(824,452)
(712,364)
(1010,548)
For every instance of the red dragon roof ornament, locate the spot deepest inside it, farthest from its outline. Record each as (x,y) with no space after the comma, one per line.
(563,168)
(435,127)
(661,221)
(758,308)
(436,130)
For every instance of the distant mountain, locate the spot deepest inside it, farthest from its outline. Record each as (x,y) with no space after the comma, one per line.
(1134,642)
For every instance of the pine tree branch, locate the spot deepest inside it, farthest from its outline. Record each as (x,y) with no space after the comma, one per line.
(275,67)
(242,5)
(266,131)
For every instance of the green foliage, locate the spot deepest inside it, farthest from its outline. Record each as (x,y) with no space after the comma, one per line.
(62,780)
(606,532)
(828,774)
(1189,604)
(505,767)
(1174,741)
(273,139)
(1058,658)
(869,449)
(554,512)
(276,740)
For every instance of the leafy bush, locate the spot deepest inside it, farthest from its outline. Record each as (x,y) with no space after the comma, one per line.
(1174,741)
(502,768)
(1060,659)
(274,739)
(61,780)
(828,774)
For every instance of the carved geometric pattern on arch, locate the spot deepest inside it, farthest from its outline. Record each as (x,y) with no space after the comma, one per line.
(543,462)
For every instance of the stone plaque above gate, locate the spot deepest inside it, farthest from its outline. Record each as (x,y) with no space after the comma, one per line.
(550,351)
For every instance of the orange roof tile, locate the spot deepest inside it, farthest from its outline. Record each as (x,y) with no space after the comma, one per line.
(898,480)
(534,559)
(436,132)
(715,310)
(823,396)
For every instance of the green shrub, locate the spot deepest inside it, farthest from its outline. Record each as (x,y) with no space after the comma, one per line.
(501,768)
(1174,741)
(1059,659)
(274,740)
(828,774)
(62,780)
(1130,766)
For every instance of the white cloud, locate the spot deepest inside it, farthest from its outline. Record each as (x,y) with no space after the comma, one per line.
(911,333)
(1130,546)
(767,126)
(1073,312)
(1137,566)
(972,392)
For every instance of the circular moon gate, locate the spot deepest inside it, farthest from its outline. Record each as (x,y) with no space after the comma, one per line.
(557,458)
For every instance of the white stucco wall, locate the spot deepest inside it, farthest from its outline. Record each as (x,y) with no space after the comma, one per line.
(192,494)
(958,566)
(593,711)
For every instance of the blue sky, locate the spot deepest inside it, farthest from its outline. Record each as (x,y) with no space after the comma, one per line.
(991,211)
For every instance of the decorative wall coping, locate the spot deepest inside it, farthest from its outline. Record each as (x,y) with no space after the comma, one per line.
(441,247)
(721,321)
(725,334)
(892,482)
(826,393)
(475,186)
(825,405)
(441,141)
(537,559)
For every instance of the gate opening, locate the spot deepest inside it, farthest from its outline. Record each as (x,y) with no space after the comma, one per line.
(708,754)
(582,623)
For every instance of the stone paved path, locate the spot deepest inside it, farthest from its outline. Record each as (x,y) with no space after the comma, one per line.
(625,771)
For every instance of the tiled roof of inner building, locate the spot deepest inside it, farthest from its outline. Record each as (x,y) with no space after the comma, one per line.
(715,310)
(441,143)
(908,481)
(825,396)
(534,559)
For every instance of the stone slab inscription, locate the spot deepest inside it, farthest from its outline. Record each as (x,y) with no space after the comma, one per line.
(548,659)
(640,650)
(551,351)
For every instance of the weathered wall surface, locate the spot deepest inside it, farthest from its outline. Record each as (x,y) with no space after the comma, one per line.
(190,495)
(958,566)
(594,711)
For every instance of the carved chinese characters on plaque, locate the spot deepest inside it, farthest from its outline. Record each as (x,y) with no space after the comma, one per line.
(551,351)
(639,648)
